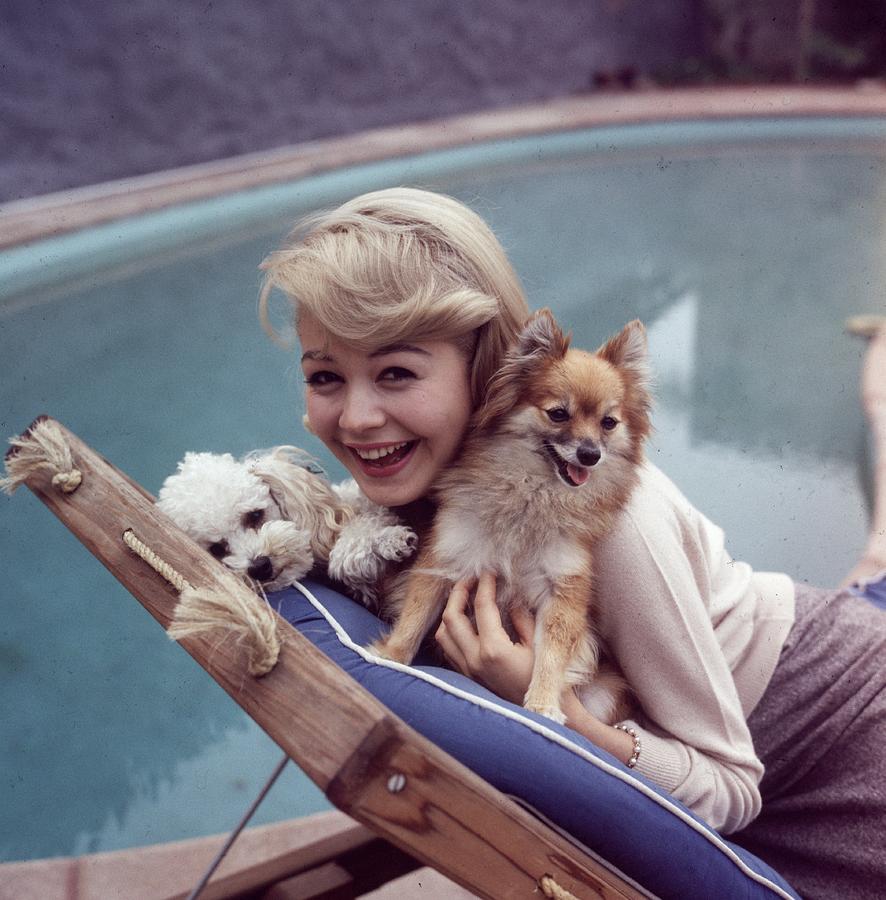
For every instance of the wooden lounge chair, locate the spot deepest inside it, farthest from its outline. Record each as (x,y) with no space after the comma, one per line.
(368,762)
(595,829)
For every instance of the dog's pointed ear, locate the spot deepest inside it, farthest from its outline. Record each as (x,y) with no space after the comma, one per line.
(542,337)
(629,350)
(540,341)
(629,353)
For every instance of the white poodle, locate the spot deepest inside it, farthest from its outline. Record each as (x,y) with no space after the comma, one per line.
(271,516)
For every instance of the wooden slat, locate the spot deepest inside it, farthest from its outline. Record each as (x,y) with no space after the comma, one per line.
(330,882)
(260,857)
(347,742)
(352,873)
(290,863)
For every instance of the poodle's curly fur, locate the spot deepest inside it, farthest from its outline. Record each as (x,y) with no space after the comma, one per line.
(271,517)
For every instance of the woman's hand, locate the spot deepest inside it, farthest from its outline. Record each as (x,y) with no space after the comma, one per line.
(486,652)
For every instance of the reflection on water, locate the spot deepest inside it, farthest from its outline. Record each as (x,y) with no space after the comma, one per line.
(744,266)
(223,779)
(743,263)
(790,500)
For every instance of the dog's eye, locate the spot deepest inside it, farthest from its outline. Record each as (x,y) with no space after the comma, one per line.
(219,549)
(558,414)
(608,423)
(254,518)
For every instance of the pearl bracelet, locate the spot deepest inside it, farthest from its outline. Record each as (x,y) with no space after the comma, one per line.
(635,753)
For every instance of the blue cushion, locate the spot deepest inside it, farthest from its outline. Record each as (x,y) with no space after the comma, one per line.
(632,826)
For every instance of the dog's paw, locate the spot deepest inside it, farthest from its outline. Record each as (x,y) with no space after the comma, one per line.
(396,543)
(353,562)
(545,703)
(551,712)
(380,648)
(386,650)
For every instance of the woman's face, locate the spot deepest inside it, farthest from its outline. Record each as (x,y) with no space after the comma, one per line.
(394,416)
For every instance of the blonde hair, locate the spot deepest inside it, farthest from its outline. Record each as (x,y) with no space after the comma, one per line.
(402,265)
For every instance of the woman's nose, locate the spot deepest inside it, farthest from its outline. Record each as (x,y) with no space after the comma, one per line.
(361,411)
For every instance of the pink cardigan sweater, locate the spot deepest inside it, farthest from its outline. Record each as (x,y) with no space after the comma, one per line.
(698,636)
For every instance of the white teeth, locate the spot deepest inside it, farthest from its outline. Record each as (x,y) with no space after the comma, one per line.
(379,452)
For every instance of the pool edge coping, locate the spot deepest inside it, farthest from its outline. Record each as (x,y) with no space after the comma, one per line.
(51,215)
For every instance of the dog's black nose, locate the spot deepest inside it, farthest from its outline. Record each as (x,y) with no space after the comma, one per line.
(261,569)
(588,454)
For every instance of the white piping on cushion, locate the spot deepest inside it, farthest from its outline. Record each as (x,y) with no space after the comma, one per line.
(551,735)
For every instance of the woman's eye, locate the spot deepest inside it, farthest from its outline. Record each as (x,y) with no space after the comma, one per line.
(219,549)
(319,379)
(254,518)
(396,373)
(558,414)
(608,423)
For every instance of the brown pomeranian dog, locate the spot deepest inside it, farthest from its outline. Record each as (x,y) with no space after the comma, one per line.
(549,459)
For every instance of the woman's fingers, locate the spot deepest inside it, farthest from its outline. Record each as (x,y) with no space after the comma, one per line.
(455,635)
(486,611)
(459,596)
(524,624)
(452,651)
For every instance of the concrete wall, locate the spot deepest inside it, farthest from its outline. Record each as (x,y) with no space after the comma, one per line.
(92,91)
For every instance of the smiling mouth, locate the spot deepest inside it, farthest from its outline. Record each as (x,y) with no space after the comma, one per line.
(573,475)
(383,457)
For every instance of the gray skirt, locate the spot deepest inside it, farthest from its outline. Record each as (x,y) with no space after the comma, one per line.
(820,730)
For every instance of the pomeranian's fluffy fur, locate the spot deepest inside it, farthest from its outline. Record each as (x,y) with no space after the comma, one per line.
(550,458)
(271,516)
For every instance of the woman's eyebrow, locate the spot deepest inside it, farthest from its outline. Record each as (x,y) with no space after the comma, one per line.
(318,355)
(322,356)
(399,348)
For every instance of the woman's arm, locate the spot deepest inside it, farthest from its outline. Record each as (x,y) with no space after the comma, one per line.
(664,584)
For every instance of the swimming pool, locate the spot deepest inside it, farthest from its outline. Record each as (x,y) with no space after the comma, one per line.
(742,244)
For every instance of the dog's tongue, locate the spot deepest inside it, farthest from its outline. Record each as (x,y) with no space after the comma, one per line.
(579,474)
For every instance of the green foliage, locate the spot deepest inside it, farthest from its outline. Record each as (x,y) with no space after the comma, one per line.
(784,40)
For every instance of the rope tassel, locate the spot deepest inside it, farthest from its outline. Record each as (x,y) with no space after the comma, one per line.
(551,889)
(201,610)
(254,624)
(42,446)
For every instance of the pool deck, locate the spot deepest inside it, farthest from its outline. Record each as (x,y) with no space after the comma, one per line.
(170,871)
(28,220)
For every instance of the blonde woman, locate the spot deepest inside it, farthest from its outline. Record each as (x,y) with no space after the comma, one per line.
(404,303)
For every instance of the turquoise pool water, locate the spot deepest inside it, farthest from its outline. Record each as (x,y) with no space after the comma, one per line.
(743,246)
